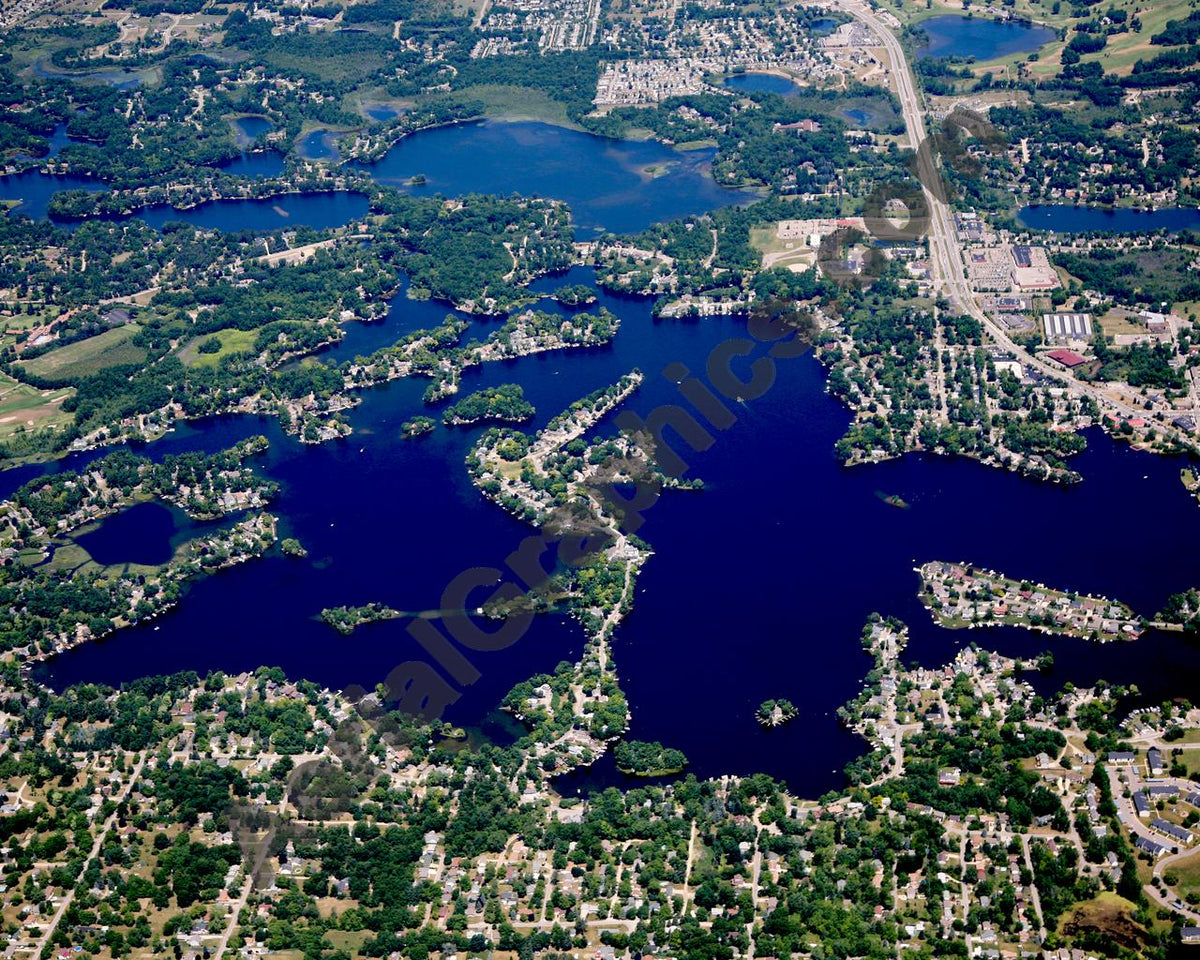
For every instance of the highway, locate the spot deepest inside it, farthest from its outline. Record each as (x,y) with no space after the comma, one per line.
(945,254)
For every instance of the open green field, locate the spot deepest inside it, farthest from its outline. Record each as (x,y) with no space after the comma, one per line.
(475,9)
(508,102)
(84,358)
(1191,762)
(1186,873)
(342,58)
(348,940)
(42,315)
(232,341)
(1125,49)
(1119,322)
(23,407)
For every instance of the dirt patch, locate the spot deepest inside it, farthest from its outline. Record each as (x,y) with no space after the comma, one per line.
(1109,917)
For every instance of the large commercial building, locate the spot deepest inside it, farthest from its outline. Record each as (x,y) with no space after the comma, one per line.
(1066,327)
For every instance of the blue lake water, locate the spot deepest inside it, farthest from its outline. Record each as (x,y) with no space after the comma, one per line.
(1066,218)
(758,586)
(145,533)
(58,139)
(380,112)
(249,129)
(860,116)
(318,210)
(55,142)
(33,189)
(120,79)
(618,194)
(762,83)
(953,35)
(317,145)
(260,163)
(257,163)
(613,193)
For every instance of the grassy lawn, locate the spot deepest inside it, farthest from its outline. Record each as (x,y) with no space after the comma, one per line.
(510,471)
(232,341)
(85,358)
(780,253)
(472,8)
(1125,49)
(23,407)
(1118,321)
(24,321)
(1190,758)
(1186,873)
(349,940)
(1188,308)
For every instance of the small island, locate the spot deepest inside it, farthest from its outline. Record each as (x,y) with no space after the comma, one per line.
(639,758)
(345,620)
(960,595)
(575,295)
(775,713)
(505,403)
(417,427)
(292,547)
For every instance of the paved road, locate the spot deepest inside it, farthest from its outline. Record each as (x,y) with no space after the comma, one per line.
(945,254)
(235,910)
(1034,896)
(101,834)
(1137,828)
